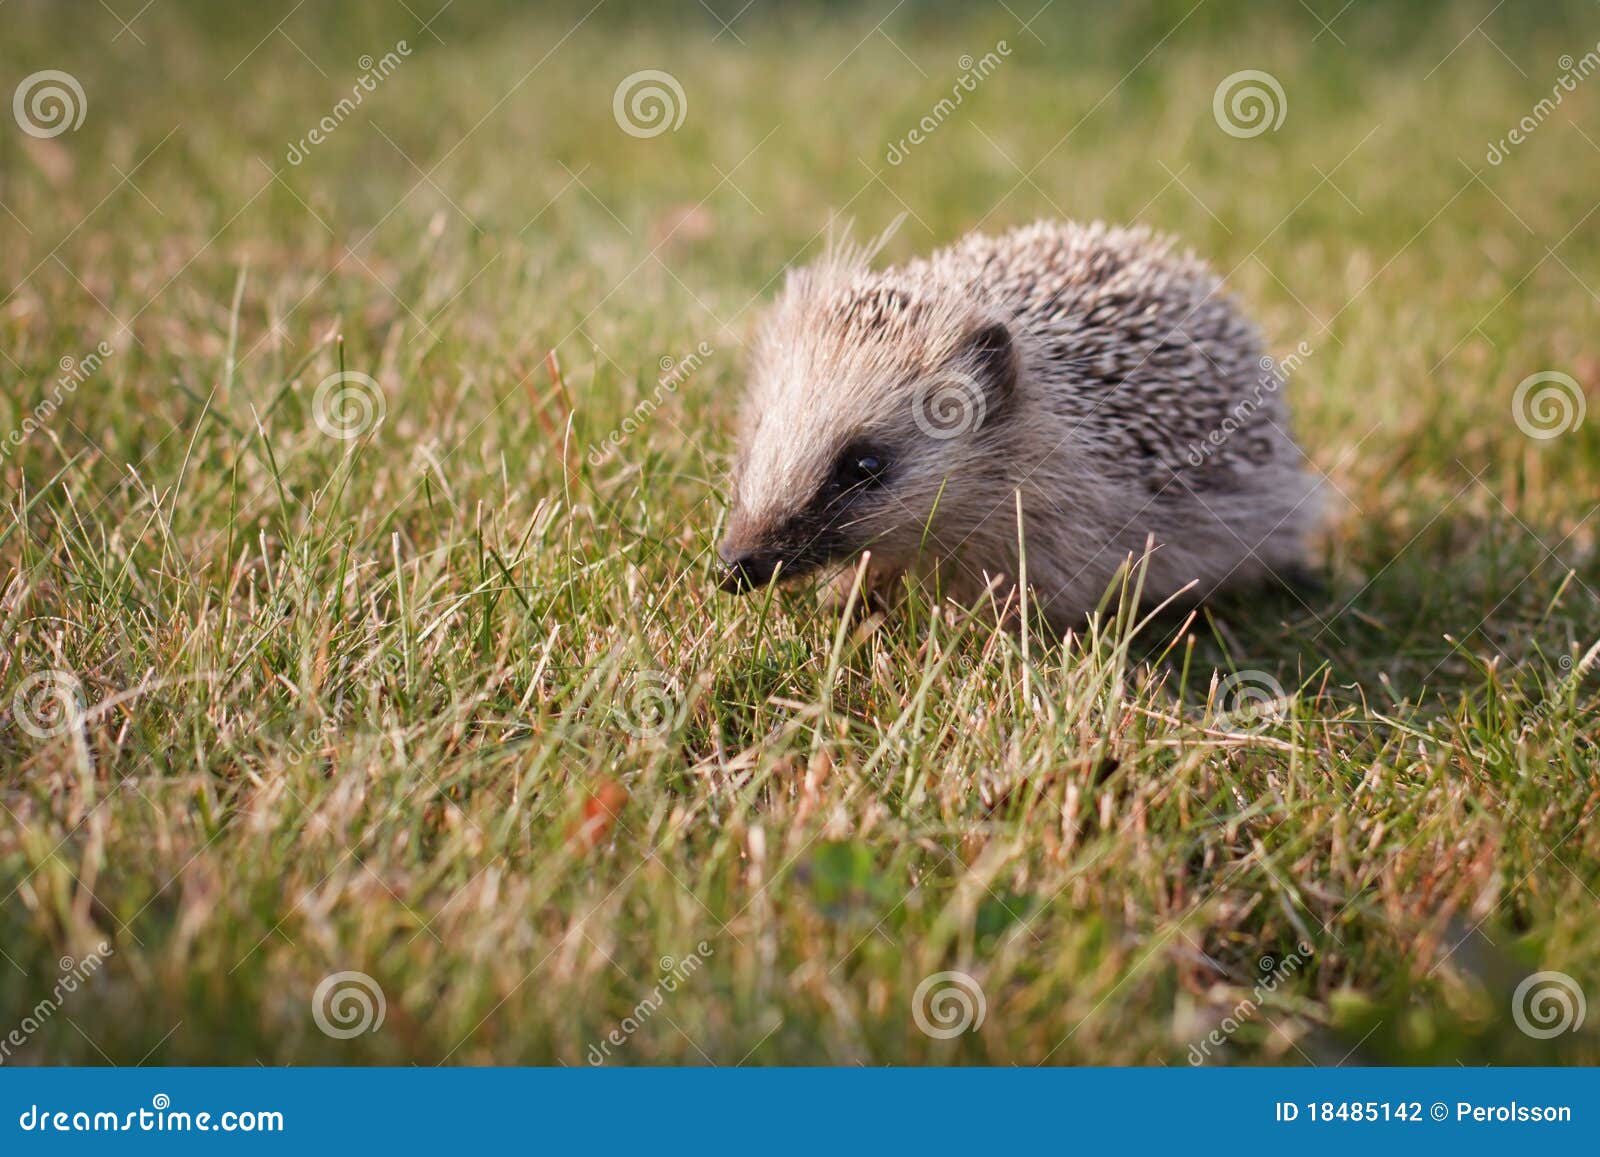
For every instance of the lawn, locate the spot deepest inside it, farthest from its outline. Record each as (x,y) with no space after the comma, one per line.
(394,717)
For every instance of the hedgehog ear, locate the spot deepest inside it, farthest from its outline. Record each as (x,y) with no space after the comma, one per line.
(992,355)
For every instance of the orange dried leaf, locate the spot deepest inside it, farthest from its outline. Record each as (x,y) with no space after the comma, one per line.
(602,807)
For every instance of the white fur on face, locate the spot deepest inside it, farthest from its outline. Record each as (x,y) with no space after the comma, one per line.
(847,358)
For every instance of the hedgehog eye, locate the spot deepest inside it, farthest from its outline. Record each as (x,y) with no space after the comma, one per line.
(860,468)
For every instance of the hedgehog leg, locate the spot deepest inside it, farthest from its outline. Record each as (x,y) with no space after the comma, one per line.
(878,590)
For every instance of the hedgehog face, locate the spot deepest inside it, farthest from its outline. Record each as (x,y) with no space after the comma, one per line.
(873,413)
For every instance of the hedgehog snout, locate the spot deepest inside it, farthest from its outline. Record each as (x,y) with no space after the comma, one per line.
(744,570)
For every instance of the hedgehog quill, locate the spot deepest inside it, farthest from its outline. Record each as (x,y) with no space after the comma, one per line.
(1088,381)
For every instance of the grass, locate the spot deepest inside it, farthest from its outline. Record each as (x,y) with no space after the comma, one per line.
(452,702)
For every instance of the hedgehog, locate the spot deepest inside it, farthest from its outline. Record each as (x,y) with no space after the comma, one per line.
(1041,406)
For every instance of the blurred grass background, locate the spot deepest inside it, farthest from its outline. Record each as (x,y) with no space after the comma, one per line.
(353,700)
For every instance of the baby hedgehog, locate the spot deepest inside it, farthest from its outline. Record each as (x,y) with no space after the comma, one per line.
(1089,370)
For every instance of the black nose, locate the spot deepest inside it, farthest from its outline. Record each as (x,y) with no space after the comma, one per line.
(743,570)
